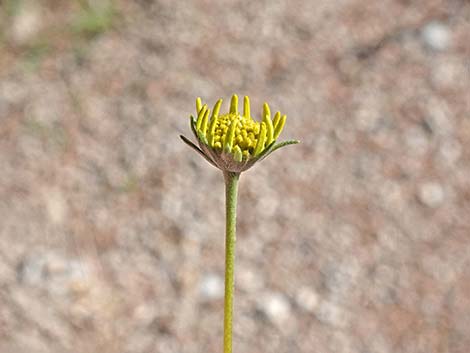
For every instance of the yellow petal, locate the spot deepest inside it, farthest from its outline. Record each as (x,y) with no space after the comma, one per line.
(198,104)
(261,139)
(277,116)
(234,104)
(212,130)
(200,116)
(269,123)
(266,111)
(204,122)
(215,111)
(246,107)
(279,126)
(229,137)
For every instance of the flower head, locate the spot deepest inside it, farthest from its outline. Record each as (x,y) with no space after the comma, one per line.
(233,142)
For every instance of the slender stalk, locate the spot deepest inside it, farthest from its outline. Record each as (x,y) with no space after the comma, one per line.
(231,191)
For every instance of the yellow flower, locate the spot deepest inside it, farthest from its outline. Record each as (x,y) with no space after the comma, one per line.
(233,141)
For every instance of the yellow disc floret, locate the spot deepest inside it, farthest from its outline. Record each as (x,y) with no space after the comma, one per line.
(236,130)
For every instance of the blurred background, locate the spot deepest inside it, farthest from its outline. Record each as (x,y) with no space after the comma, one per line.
(112,230)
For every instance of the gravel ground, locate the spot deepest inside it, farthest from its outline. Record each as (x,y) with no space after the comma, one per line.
(111,229)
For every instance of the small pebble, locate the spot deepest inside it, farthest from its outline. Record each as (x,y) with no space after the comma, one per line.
(436,36)
(276,307)
(211,287)
(27,23)
(330,313)
(450,151)
(417,141)
(307,299)
(249,280)
(431,194)
(56,206)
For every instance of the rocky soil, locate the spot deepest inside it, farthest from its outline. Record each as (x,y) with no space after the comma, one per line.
(111,229)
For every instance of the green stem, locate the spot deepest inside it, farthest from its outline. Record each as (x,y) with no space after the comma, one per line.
(231,190)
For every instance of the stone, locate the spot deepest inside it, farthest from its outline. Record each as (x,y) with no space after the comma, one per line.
(307,299)
(211,287)
(431,194)
(248,280)
(144,314)
(450,152)
(436,36)
(56,206)
(27,23)
(417,141)
(332,314)
(275,306)
(55,273)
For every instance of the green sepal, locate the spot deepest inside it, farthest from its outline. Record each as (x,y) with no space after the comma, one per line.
(192,123)
(197,149)
(273,147)
(202,137)
(237,154)
(197,134)
(266,150)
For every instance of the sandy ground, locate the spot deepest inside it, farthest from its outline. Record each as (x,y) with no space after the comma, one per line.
(111,229)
